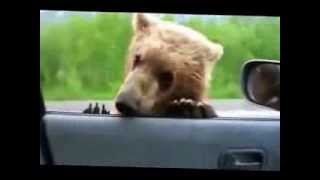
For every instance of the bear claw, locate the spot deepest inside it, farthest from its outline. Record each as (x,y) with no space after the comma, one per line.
(187,108)
(96,109)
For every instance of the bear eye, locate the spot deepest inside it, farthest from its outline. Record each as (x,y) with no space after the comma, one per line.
(165,80)
(136,61)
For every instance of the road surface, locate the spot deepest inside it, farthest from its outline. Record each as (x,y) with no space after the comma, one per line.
(224,108)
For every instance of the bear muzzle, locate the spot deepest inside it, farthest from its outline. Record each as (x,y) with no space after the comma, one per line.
(126,104)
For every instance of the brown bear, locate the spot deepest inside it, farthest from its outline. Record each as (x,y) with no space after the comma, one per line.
(167,71)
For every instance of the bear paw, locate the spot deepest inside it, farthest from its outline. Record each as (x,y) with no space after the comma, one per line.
(96,109)
(187,108)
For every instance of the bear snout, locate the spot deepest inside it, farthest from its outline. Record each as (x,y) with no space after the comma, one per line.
(126,105)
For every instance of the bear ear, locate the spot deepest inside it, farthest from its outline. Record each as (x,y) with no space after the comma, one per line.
(141,22)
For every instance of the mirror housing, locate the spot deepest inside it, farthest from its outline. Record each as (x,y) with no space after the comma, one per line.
(260,82)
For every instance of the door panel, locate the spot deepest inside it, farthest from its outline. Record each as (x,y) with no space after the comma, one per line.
(167,143)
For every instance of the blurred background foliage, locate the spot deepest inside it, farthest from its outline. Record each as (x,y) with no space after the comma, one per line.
(83,57)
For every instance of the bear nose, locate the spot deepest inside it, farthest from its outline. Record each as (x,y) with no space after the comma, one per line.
(125,104)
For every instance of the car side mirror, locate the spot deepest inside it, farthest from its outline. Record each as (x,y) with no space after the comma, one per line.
(261,82)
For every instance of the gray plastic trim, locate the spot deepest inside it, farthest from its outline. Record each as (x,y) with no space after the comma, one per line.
(152,142)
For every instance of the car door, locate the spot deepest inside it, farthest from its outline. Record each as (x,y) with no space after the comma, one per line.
(251,143)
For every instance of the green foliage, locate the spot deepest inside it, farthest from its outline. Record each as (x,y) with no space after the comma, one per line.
(84,58)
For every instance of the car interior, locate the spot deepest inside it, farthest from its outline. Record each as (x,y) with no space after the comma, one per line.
(244,137)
